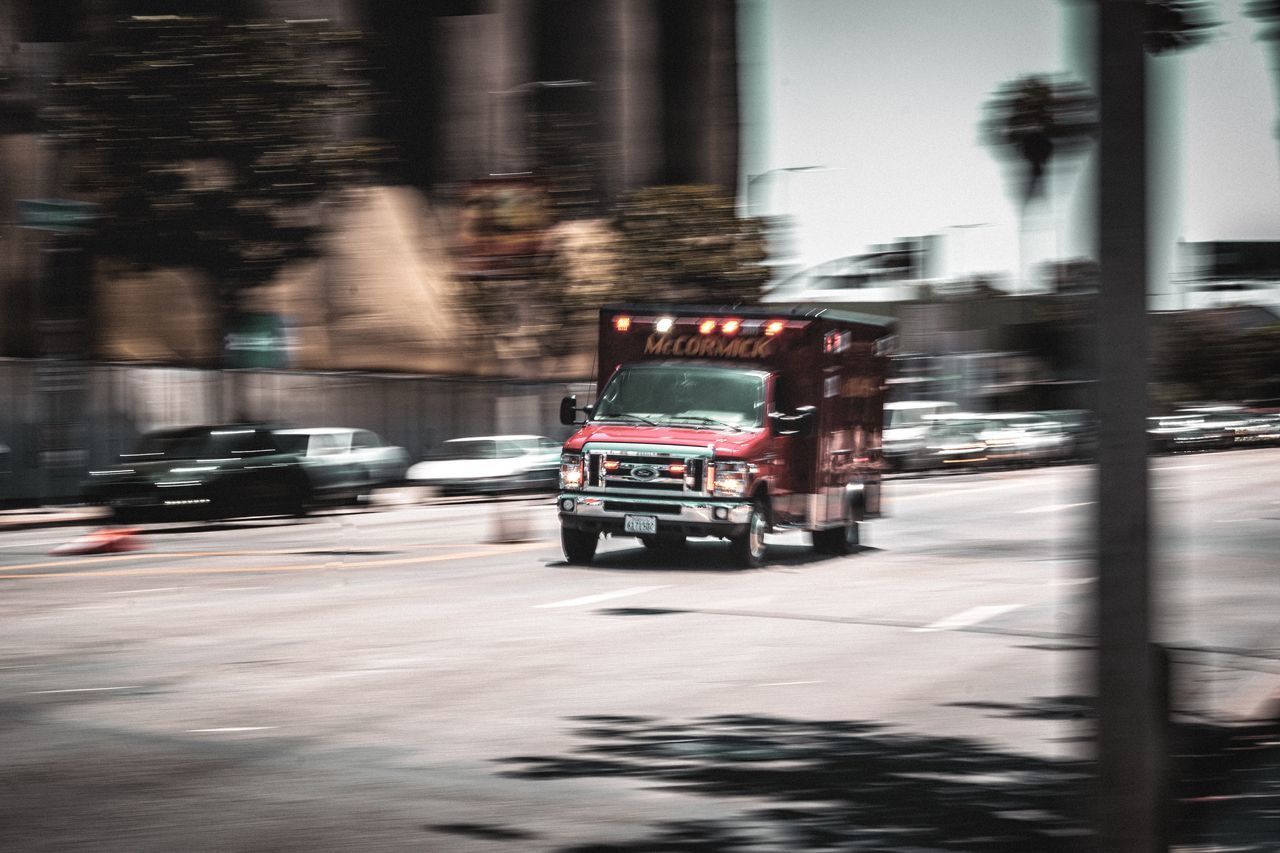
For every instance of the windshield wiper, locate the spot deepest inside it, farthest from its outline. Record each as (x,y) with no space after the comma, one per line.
(626,415)
(705,420)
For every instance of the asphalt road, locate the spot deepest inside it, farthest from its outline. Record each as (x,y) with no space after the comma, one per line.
(399,680)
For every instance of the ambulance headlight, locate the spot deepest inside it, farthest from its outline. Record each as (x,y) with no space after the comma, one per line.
(730,479)
(571,471)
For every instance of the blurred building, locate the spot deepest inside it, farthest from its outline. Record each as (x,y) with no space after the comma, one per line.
(1220,273)
(607,95)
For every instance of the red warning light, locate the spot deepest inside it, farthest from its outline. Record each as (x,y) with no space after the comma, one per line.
(622,322)
(773,327)
(706,327)
(731,327)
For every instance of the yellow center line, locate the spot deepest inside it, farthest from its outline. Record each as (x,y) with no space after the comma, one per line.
(146,571)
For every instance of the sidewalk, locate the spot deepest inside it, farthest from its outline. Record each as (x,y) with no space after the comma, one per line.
(28,518)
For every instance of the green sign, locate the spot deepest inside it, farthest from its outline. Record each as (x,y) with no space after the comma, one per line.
(56,214)
(257,340)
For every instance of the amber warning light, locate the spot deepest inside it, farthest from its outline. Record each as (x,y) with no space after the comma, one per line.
(622,322)
(774,327)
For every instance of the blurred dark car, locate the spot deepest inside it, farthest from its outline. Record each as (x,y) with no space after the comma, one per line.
(1257,429)
(1193,429)
(231,470)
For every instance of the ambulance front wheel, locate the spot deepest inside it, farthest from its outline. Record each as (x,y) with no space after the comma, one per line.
(747,548)
(579,545)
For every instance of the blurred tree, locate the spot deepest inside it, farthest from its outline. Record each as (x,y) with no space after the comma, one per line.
(1037,118)
(1197,359)
(681,243)
(686,243)
(210,139)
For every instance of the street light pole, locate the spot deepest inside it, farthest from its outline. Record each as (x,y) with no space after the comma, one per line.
(752,180)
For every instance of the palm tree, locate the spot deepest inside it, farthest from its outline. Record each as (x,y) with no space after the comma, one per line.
(1036,119)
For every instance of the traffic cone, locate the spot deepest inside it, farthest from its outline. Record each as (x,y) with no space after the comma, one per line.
(107,540)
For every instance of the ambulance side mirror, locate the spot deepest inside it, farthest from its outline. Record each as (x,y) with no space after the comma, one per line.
(569,410)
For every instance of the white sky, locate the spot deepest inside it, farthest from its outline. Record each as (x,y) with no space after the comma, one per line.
(888,96)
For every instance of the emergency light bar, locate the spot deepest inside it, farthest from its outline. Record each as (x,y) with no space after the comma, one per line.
(705,326)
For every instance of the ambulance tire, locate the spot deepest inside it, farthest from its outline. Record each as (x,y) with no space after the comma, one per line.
(840,541)
(748,549)
(579,545)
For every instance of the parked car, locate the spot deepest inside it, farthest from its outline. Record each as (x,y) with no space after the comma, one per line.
(343,462)
(1081,428)
(1196,428)
(230,470)
(906,427)
(1024,438)
(1257,429)
(491,464)
(202,472)
(952,441)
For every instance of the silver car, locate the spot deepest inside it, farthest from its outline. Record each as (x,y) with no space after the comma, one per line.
(341,462)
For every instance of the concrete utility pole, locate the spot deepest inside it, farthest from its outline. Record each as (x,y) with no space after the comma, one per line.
(1131,686)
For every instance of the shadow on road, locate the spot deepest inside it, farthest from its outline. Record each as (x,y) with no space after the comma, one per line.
(708,555)
(830,785)
(859,785)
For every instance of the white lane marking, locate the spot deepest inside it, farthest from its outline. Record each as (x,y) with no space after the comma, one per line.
(972,616)
(85,689)
(1053,507)
(240,588)
(140,591)
(604,596)
(787,683)
(1179,467)
(229,729)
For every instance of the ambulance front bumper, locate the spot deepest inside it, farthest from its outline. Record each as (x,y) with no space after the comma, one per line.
(628,516)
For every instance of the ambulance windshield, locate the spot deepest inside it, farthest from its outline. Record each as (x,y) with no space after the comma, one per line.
(688,395)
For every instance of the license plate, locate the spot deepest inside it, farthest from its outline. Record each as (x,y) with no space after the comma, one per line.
(642,524)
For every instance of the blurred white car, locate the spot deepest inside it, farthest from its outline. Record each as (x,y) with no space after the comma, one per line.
(490,464)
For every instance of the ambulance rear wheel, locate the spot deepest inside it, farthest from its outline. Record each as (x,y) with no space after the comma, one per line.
(579,545)
(841,540)
(747,549)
